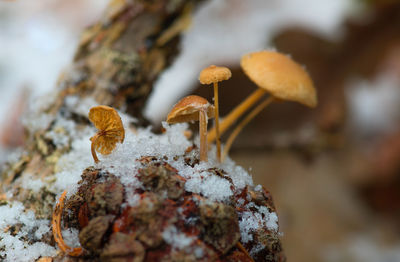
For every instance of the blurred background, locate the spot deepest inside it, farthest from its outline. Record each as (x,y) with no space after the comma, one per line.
(334,171)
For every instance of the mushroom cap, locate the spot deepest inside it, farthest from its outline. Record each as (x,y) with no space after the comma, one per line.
(280,76)
(108,122)
(187,109)
(214,74)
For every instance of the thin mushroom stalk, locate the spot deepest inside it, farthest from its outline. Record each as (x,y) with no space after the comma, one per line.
(243,123)
(235,114)
(212,75)
(276,74)
(93,149)
(216,110)
(203,135)
(193,108)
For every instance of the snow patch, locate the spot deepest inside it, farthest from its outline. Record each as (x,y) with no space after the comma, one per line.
(13,247)
(176,239)
(252,221)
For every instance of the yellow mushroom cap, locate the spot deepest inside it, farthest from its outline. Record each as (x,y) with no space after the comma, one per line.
(280,76)
(214,74)
(107,121)
(187,109)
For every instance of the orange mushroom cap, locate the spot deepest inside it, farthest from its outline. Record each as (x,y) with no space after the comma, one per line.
(214,74)
(280,76)
(187,109)
(111,129)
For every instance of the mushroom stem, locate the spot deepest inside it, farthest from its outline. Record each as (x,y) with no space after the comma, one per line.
(93,139)
(236,113)
(216,112)
(243,123)
(203,134)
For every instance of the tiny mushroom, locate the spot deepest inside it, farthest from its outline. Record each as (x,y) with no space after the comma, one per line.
(212,75)
(278,75)
(111,130)
(193,108)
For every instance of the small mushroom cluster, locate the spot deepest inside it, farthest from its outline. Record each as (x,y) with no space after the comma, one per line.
(271,71)
(196,108)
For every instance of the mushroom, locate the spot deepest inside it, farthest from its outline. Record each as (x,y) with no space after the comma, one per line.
(193,108)
(277,74)
(214,74)
(111,130)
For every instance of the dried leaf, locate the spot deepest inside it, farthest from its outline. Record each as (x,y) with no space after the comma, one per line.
(56,225)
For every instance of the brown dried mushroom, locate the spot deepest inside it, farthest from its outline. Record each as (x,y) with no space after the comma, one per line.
(111,130)
(193,108)
(212,75)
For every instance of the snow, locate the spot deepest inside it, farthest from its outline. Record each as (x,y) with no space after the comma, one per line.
(256,249)
(213,187)
(13,246)
(252,221)
(33,184)
(172,145)
(71,237)
(58,134)
(80,106)
(123,162)
(71,165)
(176,239)
(180,241)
